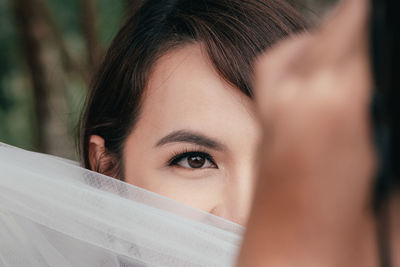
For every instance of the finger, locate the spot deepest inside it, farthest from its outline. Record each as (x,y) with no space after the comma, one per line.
(344,34)
(340,45)
(278,64)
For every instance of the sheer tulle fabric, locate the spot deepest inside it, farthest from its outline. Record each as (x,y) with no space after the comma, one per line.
(55,213)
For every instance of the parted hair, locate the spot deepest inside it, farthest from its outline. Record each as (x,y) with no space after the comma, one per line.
(233,33)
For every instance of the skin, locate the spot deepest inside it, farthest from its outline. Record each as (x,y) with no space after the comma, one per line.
(312,206)
(186,95)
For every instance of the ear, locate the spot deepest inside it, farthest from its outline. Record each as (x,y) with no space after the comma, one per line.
(96,151)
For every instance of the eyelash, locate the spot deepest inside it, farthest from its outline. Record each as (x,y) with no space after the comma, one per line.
(178,156)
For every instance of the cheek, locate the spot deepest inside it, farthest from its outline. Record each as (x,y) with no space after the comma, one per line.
(201,193)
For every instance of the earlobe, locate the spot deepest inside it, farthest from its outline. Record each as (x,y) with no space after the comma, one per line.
(96,151)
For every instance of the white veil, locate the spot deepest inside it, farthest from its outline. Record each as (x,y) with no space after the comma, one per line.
(55,213)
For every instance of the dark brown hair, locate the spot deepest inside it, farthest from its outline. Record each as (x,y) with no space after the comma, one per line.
(233,33)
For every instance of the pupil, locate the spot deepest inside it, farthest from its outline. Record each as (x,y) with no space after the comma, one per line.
(196,161)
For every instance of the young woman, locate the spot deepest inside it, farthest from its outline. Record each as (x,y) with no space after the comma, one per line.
(171,109)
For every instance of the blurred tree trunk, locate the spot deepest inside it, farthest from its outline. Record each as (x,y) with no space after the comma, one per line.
(89,26)
(70,65)
(44,60)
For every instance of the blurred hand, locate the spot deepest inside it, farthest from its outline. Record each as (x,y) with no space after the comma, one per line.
(313,197)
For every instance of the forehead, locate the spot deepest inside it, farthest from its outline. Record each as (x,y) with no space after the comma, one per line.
(187,71)
(184,91)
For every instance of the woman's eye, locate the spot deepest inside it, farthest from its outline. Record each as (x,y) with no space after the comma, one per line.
(193,160)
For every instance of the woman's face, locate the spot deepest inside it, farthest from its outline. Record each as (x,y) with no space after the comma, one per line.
(196,137)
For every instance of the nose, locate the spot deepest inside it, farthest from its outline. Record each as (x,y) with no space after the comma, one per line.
(236,201)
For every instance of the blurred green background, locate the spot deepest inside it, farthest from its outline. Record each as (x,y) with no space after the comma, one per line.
(48,52)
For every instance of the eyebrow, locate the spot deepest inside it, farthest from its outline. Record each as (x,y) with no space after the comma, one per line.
(191,137)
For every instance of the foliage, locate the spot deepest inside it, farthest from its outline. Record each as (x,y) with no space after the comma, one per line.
(17,123)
